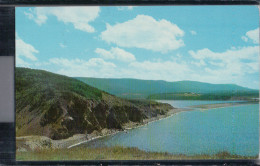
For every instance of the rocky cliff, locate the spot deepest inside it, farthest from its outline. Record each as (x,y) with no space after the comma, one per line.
(58,107)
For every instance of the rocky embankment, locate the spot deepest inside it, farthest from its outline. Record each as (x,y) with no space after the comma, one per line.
(38,143)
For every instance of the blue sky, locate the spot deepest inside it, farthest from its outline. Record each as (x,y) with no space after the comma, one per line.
(215,44)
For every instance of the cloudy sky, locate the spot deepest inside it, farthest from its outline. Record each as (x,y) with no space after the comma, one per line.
(215,44)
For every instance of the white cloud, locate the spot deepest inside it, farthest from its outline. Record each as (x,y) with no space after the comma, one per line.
(230,55)
(253,35)
(24,50)
(96,67)
(20,62)
(30,15)
(104,53)
(218,64)
(62,45)
(79,67)
(116,53)
(159,66)
(199,63)
(193,32)
(94,62)
(145,32)
(214,70)
(231,62)
(125,8)
(244,38)
(168,70)
(78,16)
(179,55)
(234,65)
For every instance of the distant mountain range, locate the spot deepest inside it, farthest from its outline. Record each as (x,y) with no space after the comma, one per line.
(134,88)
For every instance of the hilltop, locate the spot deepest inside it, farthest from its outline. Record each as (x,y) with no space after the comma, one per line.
(158,89)
(58,107)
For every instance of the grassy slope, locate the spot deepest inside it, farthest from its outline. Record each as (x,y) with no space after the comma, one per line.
(58,107)
(134,88)
(38,97)
(115,153)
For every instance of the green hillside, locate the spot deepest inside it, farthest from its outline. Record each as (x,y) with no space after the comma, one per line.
(58,107)
(134,88)
(248,95)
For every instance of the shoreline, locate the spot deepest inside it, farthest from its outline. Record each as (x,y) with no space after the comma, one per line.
(135,125)
(157,118)
(222,105)
(34,142)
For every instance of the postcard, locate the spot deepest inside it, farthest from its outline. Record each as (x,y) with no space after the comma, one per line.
(137,82)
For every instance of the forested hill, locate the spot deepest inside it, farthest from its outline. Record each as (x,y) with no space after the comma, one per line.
(58,107)
(134,88)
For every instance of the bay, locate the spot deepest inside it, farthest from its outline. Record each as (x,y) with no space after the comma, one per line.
(232,129)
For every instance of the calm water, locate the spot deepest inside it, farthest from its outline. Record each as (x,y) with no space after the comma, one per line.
(233,129)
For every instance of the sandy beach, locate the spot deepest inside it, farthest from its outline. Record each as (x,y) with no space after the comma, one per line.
(222,105)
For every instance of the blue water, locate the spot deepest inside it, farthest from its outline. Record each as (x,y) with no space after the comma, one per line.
(233,129)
